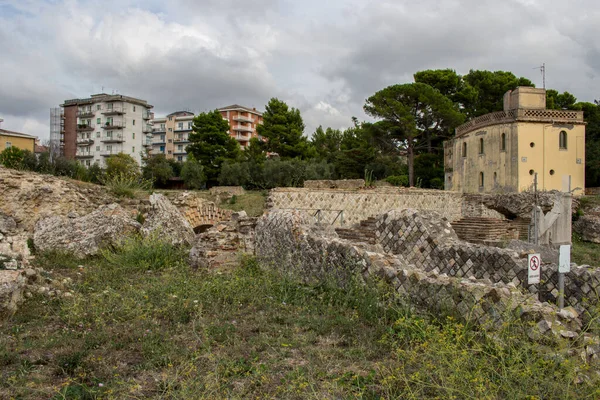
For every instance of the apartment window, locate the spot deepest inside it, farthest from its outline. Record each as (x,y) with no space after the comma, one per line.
(481,179)
(179,158)
(134,122)
(132,149)
(481,146)
(162,127)
(162,149)
(97,148)
(109,134)
(464,150)
(109,106)
(87,163)
(87,135)
(170,140)
(97,134)
(162,138)
(562,140)
(180,125)
(180,147)
(8,145)
(109,121)
(134,110)
(170,118)
(109,147)
(189,125)
(98,107)
(133,135)
(99,121)
(503,142)
(170,129)
(170,152)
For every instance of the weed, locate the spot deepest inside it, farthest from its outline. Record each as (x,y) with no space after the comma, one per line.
(127,185)
(138,253)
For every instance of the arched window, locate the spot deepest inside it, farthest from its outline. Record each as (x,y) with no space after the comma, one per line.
(562,140)
(481,179)
(464,149)
(481,146)
(503,142)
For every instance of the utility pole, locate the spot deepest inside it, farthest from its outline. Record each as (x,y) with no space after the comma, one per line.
(535,209)
(542,69)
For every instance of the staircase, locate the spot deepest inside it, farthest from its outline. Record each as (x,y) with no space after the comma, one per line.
(481,230)
(363,232)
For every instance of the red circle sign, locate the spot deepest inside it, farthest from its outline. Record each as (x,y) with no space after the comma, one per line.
(534,263)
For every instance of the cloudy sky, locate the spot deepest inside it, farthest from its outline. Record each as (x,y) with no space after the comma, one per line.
(321,56)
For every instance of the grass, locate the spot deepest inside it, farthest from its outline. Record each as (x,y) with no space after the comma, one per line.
(141,324)
(123,185)
(585,252)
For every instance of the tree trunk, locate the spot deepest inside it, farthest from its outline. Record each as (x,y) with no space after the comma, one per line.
(411,163)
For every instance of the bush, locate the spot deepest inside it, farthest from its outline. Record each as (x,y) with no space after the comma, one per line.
(95,174)
(397,180)
(29,161)
(44,165)
(12,157)
(149,253)
(124,185)
(235,174)
(158,170)
(192,174)
(436,183)
(122,164)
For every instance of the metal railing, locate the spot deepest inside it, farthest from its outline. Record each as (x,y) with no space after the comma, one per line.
(318,214)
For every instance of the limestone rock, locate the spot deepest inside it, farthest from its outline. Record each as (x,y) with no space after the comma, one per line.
(588,226)
(85,236)
(11,291)
(548,254)
(519,204)
(166,220)
(7,224)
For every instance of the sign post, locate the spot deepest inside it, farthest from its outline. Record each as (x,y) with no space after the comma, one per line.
(564,266)
(534,270)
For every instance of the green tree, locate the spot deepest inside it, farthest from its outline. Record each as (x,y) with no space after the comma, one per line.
(415,114)
(356,151)
(283,130)
(122,164)
(192,174)
(254,152)
(211,144)
(158,170)
(591,115)
(560,101)
(326,143)
(12,157)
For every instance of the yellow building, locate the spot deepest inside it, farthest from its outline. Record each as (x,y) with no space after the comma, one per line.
(503,151)
(16,139)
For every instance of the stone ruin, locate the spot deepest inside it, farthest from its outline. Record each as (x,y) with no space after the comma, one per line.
(419,254)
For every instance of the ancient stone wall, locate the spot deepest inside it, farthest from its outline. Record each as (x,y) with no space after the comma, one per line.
(198,211)
(289,241)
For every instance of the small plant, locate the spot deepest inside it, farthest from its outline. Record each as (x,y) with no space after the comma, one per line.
(397,180)
(369,179)
(140,218)
(124,185)
(233,199)
(31,245)
(149,253)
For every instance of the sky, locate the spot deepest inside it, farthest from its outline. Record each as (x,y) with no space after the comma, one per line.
(322,57)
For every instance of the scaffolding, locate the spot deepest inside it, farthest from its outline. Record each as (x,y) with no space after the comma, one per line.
(57,132)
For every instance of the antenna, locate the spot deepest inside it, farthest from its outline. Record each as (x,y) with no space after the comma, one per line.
(542,69)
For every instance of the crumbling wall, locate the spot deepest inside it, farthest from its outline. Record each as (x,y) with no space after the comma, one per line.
(289,241)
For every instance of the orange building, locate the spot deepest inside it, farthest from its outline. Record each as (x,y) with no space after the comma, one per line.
(242,123)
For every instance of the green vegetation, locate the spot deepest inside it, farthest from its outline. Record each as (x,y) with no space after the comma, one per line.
(251,202)
(141,324)
(126,185)
(585,252)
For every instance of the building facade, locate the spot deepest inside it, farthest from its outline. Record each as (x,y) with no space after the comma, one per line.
(16,139)
(171,135)
(503,151)
(242,123)
(103,125)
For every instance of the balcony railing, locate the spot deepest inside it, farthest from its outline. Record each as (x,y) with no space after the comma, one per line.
(108,153)
(146,114)
(84,154)
(147,129)
(85,142)
(159,129)
(147,142)
(241,118)
(85,114)
(113,125)
(114,111)
(188,128)
(242,128)
(85,127)
(113,138)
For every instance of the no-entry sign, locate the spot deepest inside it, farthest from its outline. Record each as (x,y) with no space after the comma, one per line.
(534,270)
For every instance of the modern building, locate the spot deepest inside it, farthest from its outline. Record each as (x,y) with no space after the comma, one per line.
(242,122)
(171,135)
(16,139)
(105,124)
(503,151)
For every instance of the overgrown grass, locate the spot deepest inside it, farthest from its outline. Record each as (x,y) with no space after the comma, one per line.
(143,325)
(253,202)
(585,252)
(124,185)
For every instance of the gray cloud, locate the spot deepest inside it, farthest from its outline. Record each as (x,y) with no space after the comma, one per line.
(324,58)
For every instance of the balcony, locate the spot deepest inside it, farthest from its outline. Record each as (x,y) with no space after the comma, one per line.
(85,127)
(241,118)
(180,139)
(113,139)
(147,129)
(179,152)
(242,128)
(85,142)
(159,129)
(85,114)
(113,125)
(146,114)
(108,153)
(84,154)
(114,111)
(182,129)
(147,143)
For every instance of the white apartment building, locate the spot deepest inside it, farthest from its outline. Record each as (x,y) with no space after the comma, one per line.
(104,125)
(171,135)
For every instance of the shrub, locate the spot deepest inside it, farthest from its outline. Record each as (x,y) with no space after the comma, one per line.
(397,180)
(234,174)
(122,164)
(436,183)
(149,253)
(95,174)
(158,170)
(192,174)
(44,165)
(12,157)
(29,161)
(124,185)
